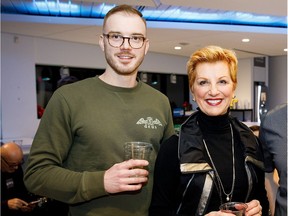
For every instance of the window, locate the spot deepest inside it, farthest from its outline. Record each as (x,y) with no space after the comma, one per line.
(49,77)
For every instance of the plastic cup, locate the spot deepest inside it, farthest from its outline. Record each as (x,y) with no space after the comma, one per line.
(137,150)
(237,208)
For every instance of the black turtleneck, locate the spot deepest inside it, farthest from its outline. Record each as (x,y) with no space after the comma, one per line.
(217,135)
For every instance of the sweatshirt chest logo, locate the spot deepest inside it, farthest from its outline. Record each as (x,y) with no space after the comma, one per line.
(149,123)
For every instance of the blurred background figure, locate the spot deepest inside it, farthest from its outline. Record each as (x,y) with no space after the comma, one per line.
(14,195)
(271,179)
(273,135)
(255,129)
(66,80)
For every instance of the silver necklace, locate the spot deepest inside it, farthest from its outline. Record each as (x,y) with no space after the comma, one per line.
(228,195)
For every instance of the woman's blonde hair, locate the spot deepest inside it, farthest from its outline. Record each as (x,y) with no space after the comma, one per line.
(211,54)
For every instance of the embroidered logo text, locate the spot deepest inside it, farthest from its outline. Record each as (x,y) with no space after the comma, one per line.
(149,123)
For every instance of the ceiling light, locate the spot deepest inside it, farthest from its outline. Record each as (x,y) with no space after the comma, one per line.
(177,47)
(285,50)
(245,40)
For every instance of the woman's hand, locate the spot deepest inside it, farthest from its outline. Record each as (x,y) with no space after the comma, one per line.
(254,208)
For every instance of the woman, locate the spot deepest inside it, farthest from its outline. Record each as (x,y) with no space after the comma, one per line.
(215,159)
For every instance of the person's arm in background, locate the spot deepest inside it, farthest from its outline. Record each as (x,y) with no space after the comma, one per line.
(4,205)
(20,197)
(271,185)
(273,135)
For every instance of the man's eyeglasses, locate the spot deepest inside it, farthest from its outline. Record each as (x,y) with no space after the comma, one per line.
(12,165)
(117,40)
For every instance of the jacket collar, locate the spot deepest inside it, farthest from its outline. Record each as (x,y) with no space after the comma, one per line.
(191,148)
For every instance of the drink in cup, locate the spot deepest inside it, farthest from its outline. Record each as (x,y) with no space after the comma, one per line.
(137,150)
(236,208)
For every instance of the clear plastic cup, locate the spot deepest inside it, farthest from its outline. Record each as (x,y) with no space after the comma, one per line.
(137,150)
(237,208)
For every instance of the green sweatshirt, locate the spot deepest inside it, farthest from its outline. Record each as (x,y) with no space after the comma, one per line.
(82,133)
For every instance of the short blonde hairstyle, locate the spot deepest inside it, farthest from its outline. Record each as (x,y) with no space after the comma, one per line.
(211,54)
(124,9)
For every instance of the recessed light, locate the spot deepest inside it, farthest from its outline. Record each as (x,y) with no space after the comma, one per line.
(245,40)
(177,47)
(285,50)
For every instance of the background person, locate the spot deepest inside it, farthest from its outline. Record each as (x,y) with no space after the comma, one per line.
(273,134)
(216,158)
(255,129)
(66,80)
(77,153)
(14,195)
(271,179)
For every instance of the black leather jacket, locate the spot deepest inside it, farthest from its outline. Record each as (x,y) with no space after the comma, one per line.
(190,138)
(190,198)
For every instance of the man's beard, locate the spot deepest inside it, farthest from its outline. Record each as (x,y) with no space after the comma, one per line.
(121,69)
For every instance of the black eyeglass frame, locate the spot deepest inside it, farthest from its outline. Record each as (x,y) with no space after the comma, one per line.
(123,39)
(12,165)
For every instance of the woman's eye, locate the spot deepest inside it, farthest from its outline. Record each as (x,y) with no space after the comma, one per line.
(203,82)
(223,82)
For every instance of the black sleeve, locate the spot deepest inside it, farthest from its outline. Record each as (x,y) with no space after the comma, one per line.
(268,158)
(166,179)
(259,190)
(20,189)
(4,205)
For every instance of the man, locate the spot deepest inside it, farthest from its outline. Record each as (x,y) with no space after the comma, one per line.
(273,134)
(14,195)
(77,153)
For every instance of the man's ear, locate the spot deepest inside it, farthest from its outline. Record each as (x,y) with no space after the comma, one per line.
(147,46)
(101,42)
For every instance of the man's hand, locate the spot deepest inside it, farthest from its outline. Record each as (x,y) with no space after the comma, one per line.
(125,176)
(16,203)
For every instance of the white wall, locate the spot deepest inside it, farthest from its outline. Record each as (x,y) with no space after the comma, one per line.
(18,97)
(244,91)
(91,56)
(18,89)
(277,90)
